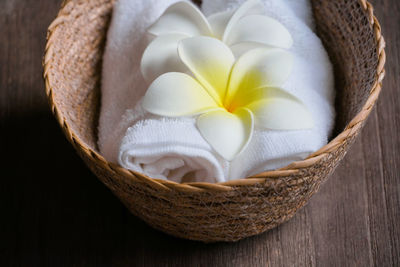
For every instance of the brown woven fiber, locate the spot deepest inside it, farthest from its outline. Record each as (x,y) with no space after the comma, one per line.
(201,211)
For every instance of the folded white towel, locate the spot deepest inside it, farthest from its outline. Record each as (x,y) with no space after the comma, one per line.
(168,148)
(172,148)
(122,81)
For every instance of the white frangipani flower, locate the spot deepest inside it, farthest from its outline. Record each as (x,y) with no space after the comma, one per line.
(242,29)
(229,96)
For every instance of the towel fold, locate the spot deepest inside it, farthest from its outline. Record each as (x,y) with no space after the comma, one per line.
(168,148)
(172,148)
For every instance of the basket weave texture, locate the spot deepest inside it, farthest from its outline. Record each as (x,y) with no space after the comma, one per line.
(201,211)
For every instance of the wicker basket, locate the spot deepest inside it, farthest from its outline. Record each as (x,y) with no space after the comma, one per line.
(201,211)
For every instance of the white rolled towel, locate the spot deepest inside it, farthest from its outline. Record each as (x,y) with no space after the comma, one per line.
(122,82)
(169,148)
(172,148)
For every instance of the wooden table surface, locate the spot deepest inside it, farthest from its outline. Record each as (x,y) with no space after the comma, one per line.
(53,211)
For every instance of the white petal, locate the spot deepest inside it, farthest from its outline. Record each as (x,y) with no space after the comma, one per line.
(260,29)
(250,7)
(227,133)
(260,67)
(161,56)
(182,17)
(218,22)
(177,94)
(280,110)
(239,49)
(210,61)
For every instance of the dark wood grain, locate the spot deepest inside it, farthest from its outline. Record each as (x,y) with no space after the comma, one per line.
(53,211)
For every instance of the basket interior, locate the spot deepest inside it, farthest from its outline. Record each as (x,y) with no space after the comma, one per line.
(77,46)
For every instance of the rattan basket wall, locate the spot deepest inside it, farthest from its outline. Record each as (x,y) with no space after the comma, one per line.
(201,211)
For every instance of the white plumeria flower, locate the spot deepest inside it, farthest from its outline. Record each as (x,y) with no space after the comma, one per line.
(229,97)
(242,29)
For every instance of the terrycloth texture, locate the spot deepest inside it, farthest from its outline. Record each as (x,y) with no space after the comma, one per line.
(168,148)
(172,147)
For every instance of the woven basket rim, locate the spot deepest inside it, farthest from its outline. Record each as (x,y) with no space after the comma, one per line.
(290,169)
